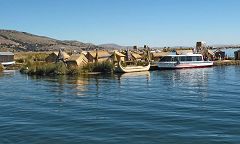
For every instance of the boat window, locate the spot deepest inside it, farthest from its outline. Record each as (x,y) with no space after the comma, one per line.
(182,58)
(175,59)
(194,58)
(166,59)
(188,58)
(197,58)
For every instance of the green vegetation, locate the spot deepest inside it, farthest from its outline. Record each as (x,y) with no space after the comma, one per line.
(30,56)
(24,58)
(105,67)
(1,67)
(73,70)
(43,68)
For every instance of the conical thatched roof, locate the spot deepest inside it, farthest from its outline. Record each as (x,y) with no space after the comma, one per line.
(210,52)
(136,56)
(100,53)
(62,55)
(119,54)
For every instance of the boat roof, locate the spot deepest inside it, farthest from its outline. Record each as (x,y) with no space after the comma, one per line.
(6,53)
(185,55)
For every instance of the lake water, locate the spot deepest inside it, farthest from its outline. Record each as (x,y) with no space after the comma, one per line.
(230,51)
(195,106)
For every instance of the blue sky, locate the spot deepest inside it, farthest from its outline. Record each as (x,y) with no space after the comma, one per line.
(127,22)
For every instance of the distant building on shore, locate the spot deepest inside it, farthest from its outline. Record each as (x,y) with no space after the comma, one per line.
(237,55)
(219,55)
(135,48)
(7,58)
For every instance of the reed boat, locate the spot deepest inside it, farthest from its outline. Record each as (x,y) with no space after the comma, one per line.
(129,68)
(183,61)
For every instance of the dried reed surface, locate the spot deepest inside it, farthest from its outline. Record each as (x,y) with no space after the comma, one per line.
(226,62)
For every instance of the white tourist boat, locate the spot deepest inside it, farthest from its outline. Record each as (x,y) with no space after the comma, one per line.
(183,61)
(7,63)
(133,68)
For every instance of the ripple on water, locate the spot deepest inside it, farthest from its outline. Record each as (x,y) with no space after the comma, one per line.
(179,106)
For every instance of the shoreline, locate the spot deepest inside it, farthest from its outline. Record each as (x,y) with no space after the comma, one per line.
(226,62)
(153,67)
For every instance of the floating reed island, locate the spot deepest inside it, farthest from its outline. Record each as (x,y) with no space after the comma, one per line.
(92,62)
(60,68)
(107,61)
(226,62)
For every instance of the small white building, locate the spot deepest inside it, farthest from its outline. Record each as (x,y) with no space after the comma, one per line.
(7,58)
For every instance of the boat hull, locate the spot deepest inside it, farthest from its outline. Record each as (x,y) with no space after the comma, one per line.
(8,63)
(174,65)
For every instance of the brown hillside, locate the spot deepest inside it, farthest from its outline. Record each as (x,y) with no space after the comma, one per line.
(24,41)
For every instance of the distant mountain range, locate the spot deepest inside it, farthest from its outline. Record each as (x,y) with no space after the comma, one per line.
(114,46)
(23,41)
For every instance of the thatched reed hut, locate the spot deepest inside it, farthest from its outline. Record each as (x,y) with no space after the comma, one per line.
(53,57)
(184,52)
(98,55)
(117,56)
(158,55)
(77,60)
(208,54)
(136,56)
(219,55)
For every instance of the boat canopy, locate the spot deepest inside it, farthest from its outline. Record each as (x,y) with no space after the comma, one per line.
(175,58)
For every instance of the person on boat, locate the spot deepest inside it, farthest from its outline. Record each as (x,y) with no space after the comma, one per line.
(178,62)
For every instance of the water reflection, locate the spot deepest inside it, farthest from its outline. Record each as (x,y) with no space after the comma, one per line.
(84,84)
(75,85)
(198,77)
(145,74)
(8,73)
(190,81)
